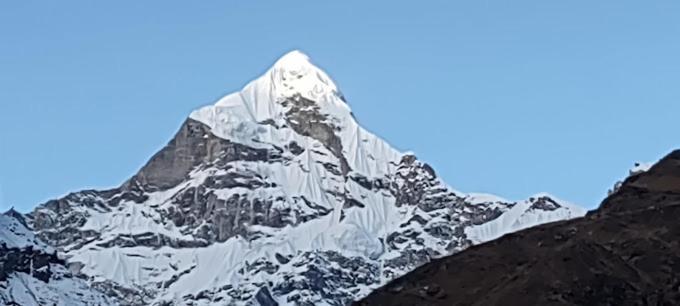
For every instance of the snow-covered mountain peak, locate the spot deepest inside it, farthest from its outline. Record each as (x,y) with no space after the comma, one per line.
(296,98)
(294,74)
(293,58)
(293,61)
(274,194)
(292,77)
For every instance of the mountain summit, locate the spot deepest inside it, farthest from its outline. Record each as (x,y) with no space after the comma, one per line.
(273,195)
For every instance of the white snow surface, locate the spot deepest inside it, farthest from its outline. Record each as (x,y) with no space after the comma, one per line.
(173,273)
(477,198)
(15,235)
(522,216)
(26,290)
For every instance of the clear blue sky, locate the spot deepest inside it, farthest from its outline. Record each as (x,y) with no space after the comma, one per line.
(508,97)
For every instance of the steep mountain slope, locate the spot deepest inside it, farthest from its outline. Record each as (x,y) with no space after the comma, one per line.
(624,253)
(274,194)
(32,274)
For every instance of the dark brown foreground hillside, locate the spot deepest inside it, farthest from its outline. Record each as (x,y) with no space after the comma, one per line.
(627,252)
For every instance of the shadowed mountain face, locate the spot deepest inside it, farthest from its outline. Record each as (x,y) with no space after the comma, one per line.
(624,253)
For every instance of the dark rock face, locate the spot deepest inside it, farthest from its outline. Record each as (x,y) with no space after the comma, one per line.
(193,145)
(125,295)
(265,298)
(415,183)
(28,261)
(624,253)
(225,217)
(59,222)
(61,215)
(544,203)
(330,274)
(304,116)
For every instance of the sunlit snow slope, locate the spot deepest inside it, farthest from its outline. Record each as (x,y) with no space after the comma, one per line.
(274,195)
